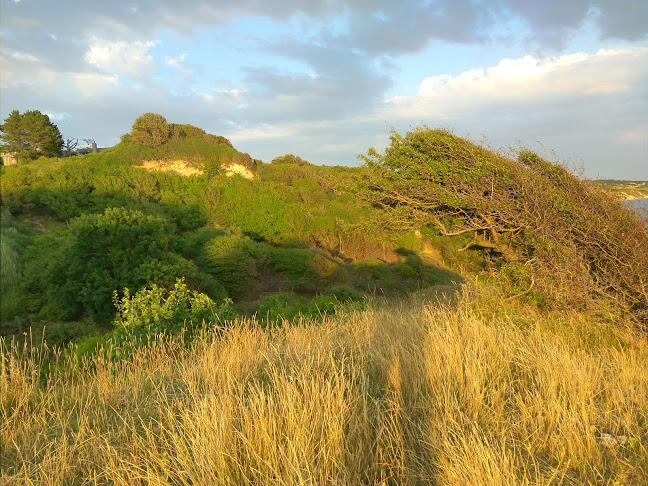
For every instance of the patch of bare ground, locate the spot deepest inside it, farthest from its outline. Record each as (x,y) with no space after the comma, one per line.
(238,169)
(181,167)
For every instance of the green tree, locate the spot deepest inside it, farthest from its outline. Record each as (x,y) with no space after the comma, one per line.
(150,130)
(544,227)
(30,135)
(290,159)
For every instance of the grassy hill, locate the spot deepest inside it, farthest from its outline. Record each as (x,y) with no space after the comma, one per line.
(421,392)
(272,237)
(177,312)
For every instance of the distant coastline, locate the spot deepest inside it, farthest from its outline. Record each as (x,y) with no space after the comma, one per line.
(624,190)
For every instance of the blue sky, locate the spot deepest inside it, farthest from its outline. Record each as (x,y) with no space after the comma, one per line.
(327,79)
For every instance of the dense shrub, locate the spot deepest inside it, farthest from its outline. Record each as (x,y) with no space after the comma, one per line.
(104,252)
(225,258)
(258,210)
(343,293)
(290,159)
(150,130)
(276,308)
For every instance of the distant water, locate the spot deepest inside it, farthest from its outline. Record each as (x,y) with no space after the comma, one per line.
(637,204)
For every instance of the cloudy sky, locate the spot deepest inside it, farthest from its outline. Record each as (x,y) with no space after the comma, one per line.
(327,79)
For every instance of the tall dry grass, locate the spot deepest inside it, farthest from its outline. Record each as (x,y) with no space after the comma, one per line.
(417,393)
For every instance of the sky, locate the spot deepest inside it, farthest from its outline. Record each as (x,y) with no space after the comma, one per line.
(327,79)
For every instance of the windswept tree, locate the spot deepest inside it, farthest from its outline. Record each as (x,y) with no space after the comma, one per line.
(543,227)
(30,135)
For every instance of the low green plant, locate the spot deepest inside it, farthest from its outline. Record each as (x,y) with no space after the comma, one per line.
(287,306)
(176,312)
(344,293)
(226,259)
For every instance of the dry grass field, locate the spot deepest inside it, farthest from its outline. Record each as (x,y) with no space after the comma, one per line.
(423,392)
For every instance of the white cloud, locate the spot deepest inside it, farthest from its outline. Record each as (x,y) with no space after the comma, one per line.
(57,116)
(129,58)
(526,80)
(607,71)
(589,107)
(177,62)
(261,133)
(23,56)
(91,85)
(235,92)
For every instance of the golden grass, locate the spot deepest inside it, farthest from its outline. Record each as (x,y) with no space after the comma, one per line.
(418,393)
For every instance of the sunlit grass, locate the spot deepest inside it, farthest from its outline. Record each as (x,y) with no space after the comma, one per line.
(416,393)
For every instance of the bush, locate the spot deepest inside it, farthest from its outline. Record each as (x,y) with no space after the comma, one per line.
(150,130)
(113,250)
(225,259)
(154,311)
(276,308)
(320,273)
(343,293)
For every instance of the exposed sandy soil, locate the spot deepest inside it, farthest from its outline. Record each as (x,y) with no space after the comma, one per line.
(233,169)
(181,167)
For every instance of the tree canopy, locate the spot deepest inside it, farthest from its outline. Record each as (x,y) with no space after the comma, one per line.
(542,226)
(30,135)
(150,130)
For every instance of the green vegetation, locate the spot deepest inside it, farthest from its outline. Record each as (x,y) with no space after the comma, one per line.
(543,229)
(433,202)
(176,312)
(30,135)
(624,190)
(99,223)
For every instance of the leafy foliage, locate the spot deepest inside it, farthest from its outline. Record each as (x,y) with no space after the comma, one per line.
(150,130)
(287,306)
(225,258)
(30,135)
(293,227)
(152,311)
(290,159)
(551,230)
(103,252)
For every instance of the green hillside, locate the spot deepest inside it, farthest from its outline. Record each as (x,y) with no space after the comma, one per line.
(287,237)
(624,190)
(174,311)
(283,238)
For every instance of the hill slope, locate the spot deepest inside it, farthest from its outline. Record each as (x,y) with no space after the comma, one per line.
(414,394)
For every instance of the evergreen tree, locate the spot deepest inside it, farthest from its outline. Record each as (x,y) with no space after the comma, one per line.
(30,135)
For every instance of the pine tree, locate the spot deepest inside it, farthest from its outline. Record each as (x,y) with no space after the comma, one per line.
(30,135)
